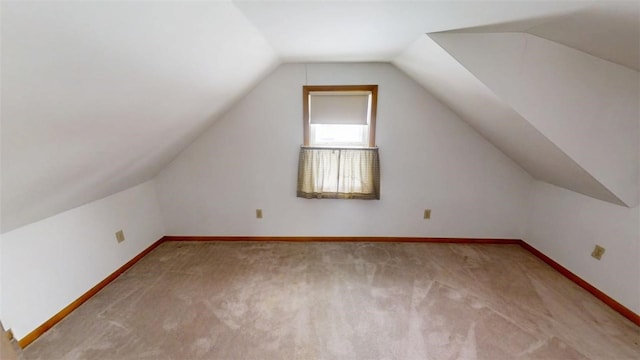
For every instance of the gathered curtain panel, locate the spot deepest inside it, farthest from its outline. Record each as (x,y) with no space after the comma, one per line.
(339,173)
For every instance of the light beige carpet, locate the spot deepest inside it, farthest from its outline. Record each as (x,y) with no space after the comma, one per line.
(270,300)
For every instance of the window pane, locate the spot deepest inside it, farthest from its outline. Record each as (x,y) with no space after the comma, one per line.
(346,135)
(339,105)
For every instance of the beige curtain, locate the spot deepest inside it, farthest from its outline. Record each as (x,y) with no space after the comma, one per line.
(335,173)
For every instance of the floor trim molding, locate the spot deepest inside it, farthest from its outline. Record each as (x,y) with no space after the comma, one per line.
(32,336)
(346,239)
(624,311)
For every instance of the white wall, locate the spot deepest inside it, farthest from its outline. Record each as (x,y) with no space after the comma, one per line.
(429,158)
(100,96)
(566,226)
(450,82)
(48,264)
(586,106)
(1,317)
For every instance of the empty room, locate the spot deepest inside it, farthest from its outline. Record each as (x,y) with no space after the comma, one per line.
(320,180)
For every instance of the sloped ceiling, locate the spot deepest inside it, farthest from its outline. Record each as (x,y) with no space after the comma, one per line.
(587,107)
(607,30)
(592,30)
(99,96)
(442,75)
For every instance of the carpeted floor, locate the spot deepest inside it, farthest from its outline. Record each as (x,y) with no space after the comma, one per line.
(271,300)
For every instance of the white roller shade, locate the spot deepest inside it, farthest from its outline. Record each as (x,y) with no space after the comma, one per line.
(339,107)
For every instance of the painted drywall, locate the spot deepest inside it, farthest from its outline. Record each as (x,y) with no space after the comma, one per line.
(49,264)
(378,30)
(592,29)
(566,226)
(130,83)
(449,81)
(586,106)
(1,317)
(429,159)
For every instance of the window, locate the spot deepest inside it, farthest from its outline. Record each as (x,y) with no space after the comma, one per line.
(336,116)
(339,159)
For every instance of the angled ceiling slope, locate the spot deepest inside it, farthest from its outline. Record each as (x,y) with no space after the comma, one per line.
(567,117)
(99,96)
(490,115)
(588,107)
(609,30)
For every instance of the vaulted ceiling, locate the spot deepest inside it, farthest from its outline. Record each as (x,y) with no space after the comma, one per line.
(97,97)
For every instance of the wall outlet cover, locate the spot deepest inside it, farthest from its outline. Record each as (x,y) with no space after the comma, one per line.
(598,251)
(120,236)
(258,213)
(427,213)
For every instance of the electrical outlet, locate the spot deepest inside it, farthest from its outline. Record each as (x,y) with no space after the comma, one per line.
(120,236)
(258,213)
(598,251)
(427,213)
